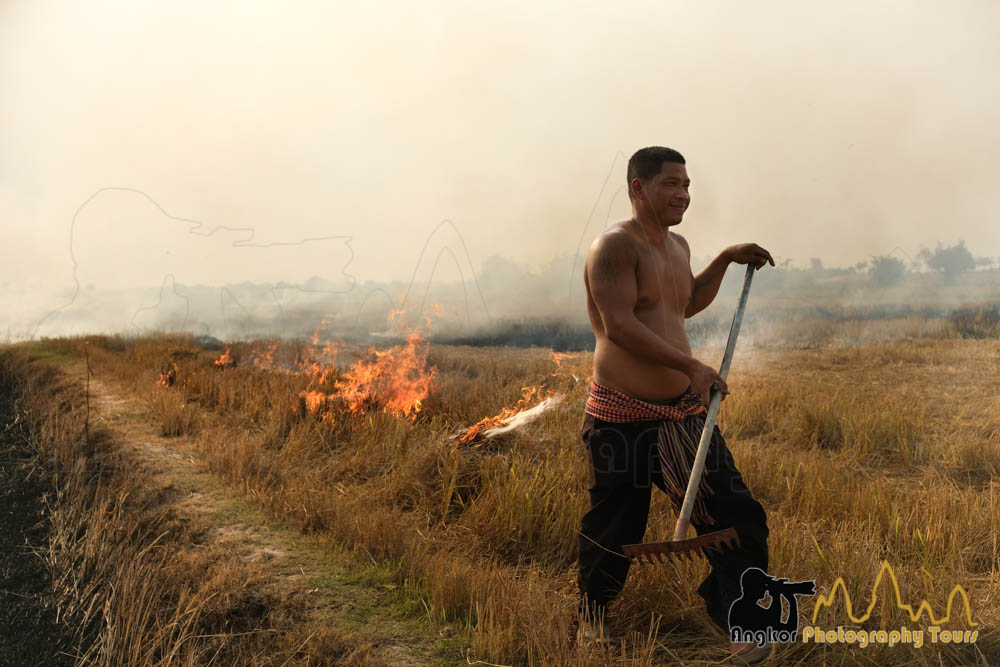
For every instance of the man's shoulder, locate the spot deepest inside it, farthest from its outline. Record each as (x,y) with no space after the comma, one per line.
(615,239)
(682,242)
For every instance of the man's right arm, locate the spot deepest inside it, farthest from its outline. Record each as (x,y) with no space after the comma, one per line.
(611,272)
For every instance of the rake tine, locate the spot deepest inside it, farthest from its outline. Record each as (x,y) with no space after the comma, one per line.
(690,549)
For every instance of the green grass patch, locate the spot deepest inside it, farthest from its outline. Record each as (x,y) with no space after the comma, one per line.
(50,350)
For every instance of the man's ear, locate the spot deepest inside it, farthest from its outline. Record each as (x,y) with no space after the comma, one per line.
(636,187)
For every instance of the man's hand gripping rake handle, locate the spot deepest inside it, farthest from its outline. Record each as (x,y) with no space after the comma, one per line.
(684,520)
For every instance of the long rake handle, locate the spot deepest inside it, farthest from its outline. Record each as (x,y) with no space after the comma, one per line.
(684,520)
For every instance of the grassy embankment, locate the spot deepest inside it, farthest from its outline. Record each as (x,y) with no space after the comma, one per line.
(129,577)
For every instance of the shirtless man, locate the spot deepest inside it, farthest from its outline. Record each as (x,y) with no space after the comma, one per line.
(640,288)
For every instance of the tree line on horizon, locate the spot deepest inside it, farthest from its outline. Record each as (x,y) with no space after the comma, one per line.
(949,261)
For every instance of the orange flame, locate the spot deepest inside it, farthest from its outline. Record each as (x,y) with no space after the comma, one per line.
(317,403)
(395,379)
(319,366)
(168,377)
(397,320)
(531,396)
(559,357)
(395,317)
(225,360)
(319,327)
(266,361)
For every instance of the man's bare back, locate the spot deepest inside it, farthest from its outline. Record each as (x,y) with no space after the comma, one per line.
(662,292)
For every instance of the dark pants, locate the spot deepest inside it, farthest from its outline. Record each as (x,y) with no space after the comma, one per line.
(624,464)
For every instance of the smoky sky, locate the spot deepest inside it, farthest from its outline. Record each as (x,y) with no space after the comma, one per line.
(831,130)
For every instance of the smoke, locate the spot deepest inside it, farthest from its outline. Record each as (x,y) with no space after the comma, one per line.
(338,138)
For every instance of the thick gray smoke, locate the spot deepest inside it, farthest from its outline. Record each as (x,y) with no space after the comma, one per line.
(255,172)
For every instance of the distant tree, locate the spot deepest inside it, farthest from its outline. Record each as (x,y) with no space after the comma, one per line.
(860,266)
(317,284)
(951,262)
(815,264)
(502,270)
(986,262)
(886,270)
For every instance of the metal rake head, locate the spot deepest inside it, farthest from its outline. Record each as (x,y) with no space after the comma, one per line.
(705,544)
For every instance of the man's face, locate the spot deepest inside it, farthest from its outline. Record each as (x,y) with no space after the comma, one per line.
(667,193)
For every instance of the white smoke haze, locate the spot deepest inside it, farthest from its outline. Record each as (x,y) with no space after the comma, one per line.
(251,171)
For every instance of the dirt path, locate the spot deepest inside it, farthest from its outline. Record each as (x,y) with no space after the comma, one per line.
(356,597)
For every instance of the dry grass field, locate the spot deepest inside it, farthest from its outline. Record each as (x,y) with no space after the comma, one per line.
(861,453)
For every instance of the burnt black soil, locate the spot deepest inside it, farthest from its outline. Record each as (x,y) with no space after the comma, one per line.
(29,634)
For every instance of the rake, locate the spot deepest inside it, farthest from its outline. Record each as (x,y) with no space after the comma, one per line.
(689,548)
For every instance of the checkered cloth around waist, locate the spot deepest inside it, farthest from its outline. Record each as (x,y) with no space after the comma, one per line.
(681,424)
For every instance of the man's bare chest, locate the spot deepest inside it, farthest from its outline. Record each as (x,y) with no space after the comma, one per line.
(663,278)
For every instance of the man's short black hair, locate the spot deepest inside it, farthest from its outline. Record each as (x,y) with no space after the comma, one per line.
(647,162)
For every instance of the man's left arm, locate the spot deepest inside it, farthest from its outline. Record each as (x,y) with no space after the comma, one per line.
(706,284)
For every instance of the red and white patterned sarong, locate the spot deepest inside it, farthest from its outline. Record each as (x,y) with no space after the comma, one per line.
(681,424)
